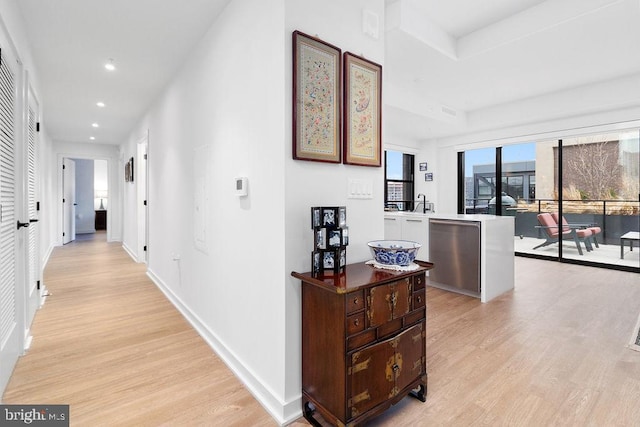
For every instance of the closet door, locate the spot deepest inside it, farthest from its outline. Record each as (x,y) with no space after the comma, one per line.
(10,341)
(69,200)
(33,267)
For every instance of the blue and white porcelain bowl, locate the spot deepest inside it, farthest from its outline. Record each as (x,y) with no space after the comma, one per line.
(394,252)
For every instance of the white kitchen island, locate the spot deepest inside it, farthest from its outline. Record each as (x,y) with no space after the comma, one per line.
(454,253)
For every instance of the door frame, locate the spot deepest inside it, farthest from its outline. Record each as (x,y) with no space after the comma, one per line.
(60,189)
(142,199)
(33,285)
(68,206)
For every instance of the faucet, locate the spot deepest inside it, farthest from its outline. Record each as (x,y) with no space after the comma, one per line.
(424,202)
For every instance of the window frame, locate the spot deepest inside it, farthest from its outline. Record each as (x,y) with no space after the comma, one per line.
(407,160)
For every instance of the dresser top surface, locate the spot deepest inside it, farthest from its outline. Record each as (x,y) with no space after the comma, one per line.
(357,276)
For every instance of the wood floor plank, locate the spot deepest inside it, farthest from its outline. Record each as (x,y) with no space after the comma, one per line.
(551,352)
(108,343)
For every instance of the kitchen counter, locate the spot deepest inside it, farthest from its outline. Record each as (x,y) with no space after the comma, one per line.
(491,252)
(496,247)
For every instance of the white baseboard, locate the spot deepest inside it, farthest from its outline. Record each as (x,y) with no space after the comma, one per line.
(47,255)
(283,412)
(128,250)
(28,339)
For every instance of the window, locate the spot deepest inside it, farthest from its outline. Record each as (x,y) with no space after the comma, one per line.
(398,181)
(480,179)
(513,185)
(591,180)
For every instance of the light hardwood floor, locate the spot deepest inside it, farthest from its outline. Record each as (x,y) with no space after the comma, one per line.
(552,352)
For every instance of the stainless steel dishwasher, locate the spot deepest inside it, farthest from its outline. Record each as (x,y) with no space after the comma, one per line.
(454,249)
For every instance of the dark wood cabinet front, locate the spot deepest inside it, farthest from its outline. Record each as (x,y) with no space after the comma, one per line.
(363,341)
(388,302)
(101,220)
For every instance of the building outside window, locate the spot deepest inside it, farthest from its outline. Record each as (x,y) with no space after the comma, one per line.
(398,180)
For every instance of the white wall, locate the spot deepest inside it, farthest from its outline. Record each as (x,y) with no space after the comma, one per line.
(317,184)
(48,200)
(129,201)
(226,261)
(223,117)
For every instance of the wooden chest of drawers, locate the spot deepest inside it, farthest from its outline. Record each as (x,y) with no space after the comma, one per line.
(363,342)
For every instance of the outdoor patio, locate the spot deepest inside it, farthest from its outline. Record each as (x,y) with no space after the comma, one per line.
(606,253)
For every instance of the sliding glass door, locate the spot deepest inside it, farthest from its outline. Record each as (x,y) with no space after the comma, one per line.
(575,199)
(479,179)
(600,190)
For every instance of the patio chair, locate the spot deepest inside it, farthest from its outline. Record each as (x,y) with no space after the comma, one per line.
(578,227)
(594,232)
(552,229)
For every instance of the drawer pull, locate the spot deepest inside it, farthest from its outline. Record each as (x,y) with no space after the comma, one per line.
(419,298)
(355,301)
(356,322)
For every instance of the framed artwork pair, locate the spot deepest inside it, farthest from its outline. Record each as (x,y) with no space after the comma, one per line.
(336,104)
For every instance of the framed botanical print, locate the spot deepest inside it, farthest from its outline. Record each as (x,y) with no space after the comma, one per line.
(317,110)
(362,111)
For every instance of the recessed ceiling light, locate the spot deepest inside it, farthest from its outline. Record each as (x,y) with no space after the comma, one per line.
(93,138)
(110,65)
(95,125)
(100,104)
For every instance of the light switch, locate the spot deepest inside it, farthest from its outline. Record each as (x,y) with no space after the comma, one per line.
(360,189)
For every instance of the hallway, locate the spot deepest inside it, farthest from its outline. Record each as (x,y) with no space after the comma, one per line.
(108,343)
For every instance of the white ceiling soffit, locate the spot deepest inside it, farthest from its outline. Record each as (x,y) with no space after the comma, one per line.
(465,56)
(487,26)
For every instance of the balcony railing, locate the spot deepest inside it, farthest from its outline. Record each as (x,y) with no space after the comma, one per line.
(615,217)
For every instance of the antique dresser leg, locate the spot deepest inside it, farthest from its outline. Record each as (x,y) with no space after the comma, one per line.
(307,411)
(420,392)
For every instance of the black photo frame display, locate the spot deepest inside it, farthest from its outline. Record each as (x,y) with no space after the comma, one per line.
(330,240)
(330,217)
(345,236)
(330,260)
(342,216)
(315,262)
(320,238)
(316,220)
(334,237)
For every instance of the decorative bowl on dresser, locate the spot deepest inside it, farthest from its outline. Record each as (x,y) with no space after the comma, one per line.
(394,252)
(363,341)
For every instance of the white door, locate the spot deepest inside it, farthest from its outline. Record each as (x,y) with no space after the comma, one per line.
(142,201)
(33,267)
(69,200)
(11,328)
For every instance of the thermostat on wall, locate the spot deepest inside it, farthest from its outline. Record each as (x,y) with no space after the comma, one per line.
(242,186)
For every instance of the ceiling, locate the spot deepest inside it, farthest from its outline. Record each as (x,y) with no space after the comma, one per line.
(450,67)
(464,66)
(71,40)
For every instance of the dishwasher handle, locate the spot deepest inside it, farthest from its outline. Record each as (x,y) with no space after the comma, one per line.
(454,222)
